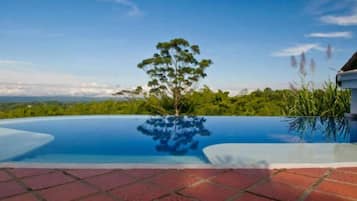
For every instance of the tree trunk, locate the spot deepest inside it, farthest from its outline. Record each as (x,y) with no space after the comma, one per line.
(177,110)
(176,103)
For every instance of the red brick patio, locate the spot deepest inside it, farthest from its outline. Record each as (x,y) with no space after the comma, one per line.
(178,185)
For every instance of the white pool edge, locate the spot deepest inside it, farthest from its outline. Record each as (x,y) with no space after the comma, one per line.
(170,166)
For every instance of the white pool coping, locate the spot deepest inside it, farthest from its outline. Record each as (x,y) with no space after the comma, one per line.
(168,166)
(15,143)
(282,155)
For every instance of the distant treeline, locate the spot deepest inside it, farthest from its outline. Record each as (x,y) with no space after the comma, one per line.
(265,102)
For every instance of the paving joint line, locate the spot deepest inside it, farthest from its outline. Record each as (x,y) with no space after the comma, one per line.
(122,171)
(339,181)
(24,177)
(45,188)
(337,195)
(98,189)
(23,185)
(263,196)
(162,172)
(177,190)
(313,186)
(179,194)
(174,191)
(257,183)
(108,192)
(5,181)
(69,174)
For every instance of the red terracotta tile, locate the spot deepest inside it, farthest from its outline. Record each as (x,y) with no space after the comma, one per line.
(316,196)
(47,180)
(208,192)
(10,188)
(311,172)
(139,191)
(24,197)
(293,179)
(251,197)
(84,173)
(174,197)
(264,172)
(342,189)
(143,173)
(4,176)
(25,172)
(109,181)
(343,177)
(174,180)
(203,173)
(67,192)
(237,180)
(100,197)
(348,169)
(278,191)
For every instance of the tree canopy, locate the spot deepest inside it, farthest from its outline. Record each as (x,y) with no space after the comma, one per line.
(174,70)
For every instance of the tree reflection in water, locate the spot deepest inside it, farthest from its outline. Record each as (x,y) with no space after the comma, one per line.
(331,128)
(175,134)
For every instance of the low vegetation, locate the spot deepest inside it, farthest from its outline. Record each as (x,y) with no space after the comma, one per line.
(306,101)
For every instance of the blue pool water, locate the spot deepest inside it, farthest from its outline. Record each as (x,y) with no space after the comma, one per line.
(138,139)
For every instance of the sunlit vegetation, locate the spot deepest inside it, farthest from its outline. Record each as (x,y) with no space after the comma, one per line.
(328,101)
(307,100)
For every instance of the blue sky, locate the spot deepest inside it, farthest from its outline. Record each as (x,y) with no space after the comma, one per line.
(92,46)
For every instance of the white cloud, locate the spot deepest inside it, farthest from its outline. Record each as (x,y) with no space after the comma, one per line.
(347,20)
(336,12)
(297,50)
(344,34)
(32,82)
(84,89)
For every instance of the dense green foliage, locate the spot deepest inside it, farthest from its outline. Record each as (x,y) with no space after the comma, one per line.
(328,101)
(174,69)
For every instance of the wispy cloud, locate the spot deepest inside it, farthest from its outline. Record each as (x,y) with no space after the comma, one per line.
(343,34)
(325,7)
(336,12)
(33,82)
(297,50)
(29,89)
(134,10)
(346,20)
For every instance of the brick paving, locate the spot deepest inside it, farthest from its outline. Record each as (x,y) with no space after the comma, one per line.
(307,184)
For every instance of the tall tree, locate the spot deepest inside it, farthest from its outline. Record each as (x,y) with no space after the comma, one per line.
(174,69)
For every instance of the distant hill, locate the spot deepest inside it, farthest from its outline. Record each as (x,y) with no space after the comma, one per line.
(26,99)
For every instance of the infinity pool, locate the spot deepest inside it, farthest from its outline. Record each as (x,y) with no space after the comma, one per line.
(169,140)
